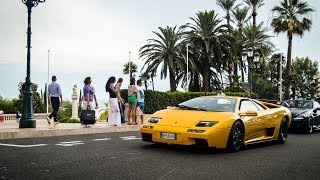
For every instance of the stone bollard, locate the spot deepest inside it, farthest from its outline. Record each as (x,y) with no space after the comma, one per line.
(74,103)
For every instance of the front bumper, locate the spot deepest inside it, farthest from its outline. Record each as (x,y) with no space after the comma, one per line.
(211,137)
(298,124)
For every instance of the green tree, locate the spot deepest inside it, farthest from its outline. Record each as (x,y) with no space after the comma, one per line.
(291,18)
(303,77)
(206,32)
(133,69)
(254,5)
(227,6)
(38,105)
(165,51)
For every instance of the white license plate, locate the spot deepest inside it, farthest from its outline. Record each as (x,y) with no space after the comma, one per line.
(168,136)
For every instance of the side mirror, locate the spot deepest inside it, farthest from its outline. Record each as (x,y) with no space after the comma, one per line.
(249,113)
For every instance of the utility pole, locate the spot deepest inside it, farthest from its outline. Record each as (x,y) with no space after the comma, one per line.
(47,95)
(129,64)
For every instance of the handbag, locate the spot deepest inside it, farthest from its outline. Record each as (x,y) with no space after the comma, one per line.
(87,117)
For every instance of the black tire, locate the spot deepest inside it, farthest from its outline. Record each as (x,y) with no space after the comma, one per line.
(309,126)
(236,137)
(283,132)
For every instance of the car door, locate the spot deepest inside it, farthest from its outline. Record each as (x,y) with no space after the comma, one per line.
(316,113)
(251,123)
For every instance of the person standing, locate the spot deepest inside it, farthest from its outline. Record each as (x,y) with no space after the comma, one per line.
(140,101)
(118,88)
(132,101)
(220,93)
(88,95)
(114,118)
(55,99)
(95,100)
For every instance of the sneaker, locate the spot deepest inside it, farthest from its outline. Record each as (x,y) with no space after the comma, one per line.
(55,123)
(48,119)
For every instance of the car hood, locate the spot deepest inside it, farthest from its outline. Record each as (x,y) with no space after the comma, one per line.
(296,112)
(189,118)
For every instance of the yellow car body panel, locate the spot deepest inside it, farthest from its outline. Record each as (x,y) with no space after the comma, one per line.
(264,126)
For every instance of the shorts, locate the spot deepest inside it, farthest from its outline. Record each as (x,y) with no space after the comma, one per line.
(132,99)
(140,105)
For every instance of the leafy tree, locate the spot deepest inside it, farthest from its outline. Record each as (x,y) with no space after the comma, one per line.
(291,18)
(227,6)
(254,5)
(164,51)
(38,105)
(206,32)
(303,77)
(133,68)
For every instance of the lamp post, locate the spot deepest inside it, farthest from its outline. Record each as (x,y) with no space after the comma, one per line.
(252,59)
(27,119)
(282,61)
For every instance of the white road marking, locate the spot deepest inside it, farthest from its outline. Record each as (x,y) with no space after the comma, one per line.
(17,145)
(126,138)
(104,139)
(70,143)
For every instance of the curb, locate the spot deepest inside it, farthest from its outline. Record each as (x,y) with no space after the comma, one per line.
(30,133)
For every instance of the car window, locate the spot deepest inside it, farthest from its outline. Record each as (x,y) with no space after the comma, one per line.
(316,104)
(247,105)
(216,104)
(258,106)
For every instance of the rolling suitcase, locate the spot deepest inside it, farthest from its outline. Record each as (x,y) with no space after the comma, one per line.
(87,117)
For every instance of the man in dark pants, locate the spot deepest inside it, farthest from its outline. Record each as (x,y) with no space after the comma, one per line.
(54,98)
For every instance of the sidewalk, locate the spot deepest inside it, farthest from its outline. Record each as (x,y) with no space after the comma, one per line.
(10,129)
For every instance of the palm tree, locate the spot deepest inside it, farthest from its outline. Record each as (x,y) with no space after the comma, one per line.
(206,32)
(256,37)
(164,51)
(227,6)
(240,15)
(133,68)
(254,5)
(291,18)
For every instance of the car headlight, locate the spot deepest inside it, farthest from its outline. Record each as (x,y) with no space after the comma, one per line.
(299,117)
(154,120)
(206,123)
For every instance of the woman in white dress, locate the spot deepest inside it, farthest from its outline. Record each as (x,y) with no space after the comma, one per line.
(114,118)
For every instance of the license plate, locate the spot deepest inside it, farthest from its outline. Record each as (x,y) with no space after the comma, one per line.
(168,136)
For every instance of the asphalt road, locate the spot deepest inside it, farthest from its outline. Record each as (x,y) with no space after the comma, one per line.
(119,156)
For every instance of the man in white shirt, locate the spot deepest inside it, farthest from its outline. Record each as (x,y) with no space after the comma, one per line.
(140,101)
(220,93)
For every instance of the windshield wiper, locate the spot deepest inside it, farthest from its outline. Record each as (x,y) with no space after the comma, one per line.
(190,108)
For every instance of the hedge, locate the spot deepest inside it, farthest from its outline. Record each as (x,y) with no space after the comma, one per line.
(156,100)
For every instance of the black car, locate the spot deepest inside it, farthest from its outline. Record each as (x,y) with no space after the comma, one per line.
(305,114)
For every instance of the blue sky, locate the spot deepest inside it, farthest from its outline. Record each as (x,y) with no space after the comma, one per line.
(94,37)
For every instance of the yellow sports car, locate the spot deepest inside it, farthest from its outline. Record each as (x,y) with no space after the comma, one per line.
(219,122)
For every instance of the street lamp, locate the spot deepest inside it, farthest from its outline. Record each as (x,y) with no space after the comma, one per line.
(253,60)
(27,119)
(282,61)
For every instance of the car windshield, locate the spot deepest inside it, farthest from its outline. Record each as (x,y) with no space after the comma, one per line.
(300,104)
(216,104)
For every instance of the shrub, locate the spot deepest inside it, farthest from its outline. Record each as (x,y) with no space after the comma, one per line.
(68,120)
(156,100)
